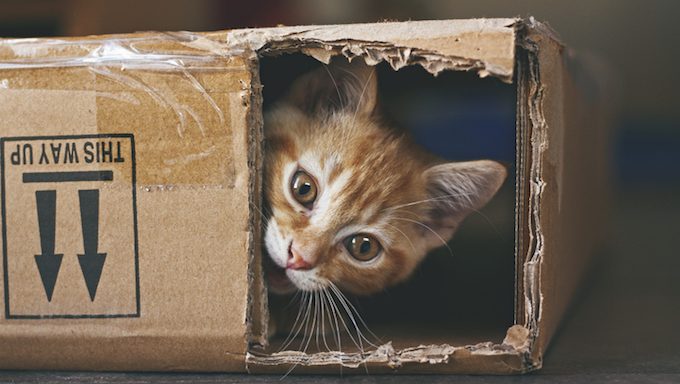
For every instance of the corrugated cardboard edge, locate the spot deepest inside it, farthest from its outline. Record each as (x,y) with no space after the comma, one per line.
(531,128)
(257,315)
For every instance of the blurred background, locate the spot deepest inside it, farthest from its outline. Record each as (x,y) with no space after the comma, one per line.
(626,319)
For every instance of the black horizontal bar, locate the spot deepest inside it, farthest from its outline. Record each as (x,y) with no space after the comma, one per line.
(57,177)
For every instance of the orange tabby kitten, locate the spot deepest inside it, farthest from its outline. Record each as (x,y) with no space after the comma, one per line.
(355,205)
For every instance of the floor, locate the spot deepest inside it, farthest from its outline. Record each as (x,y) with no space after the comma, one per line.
(622,327)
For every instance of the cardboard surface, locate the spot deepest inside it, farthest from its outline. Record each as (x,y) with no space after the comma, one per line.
(163,283)
(147,257)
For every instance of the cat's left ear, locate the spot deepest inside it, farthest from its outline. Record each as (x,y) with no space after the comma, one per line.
(457,189)
(341,86)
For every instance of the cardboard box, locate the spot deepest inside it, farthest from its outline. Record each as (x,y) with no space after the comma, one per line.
(131,196)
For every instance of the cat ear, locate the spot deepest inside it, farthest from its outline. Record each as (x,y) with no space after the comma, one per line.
(456,190)
(341,86)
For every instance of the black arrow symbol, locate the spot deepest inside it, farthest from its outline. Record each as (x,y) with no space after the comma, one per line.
(91,262)
(48,262)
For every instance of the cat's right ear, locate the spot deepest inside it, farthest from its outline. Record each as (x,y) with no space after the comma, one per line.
(456,189)
(340,86)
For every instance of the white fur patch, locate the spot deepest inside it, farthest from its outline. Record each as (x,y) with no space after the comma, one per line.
(311,162)
(308,280)
(276,243)
(328,199)
(277,246)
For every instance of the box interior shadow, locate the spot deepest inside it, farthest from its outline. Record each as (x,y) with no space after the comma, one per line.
(463,293)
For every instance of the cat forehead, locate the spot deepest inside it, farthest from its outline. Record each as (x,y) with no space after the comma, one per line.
(321,164)
(362,187)
(340,172)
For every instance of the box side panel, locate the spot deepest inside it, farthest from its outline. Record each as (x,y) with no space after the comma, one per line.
(567,181)
(142,266)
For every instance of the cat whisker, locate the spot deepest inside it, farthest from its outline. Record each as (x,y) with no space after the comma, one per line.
(254,206)
(405,236)
(360,335)
(318,306)
(317,310)
(286,341)
(312,328)
(414,215)
(358,316)
(305,336)
(307,323)
(336,330)
(293,334)
(361,96)
(323,319)
(292,299)
(488,220)
(335,84)
(344,324)
(333,310)
(429,229)
(445,198)
(437,198)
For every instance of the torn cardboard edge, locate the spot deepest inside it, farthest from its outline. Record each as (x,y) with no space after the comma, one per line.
(449,44)
(520,339)
(530,97)
(515,344)
(257,313)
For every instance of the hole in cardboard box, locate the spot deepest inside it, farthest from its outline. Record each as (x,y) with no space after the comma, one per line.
(459,297)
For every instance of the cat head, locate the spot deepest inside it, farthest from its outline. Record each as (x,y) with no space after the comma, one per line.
(353,203)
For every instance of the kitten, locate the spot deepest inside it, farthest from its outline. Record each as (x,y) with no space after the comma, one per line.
(355,205)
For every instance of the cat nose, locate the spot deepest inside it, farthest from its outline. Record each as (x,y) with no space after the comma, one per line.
(296,261)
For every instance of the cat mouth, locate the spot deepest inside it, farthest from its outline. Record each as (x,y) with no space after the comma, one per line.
(276,277)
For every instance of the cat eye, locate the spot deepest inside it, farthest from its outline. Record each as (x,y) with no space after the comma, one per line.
(303,188)
(363,247)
